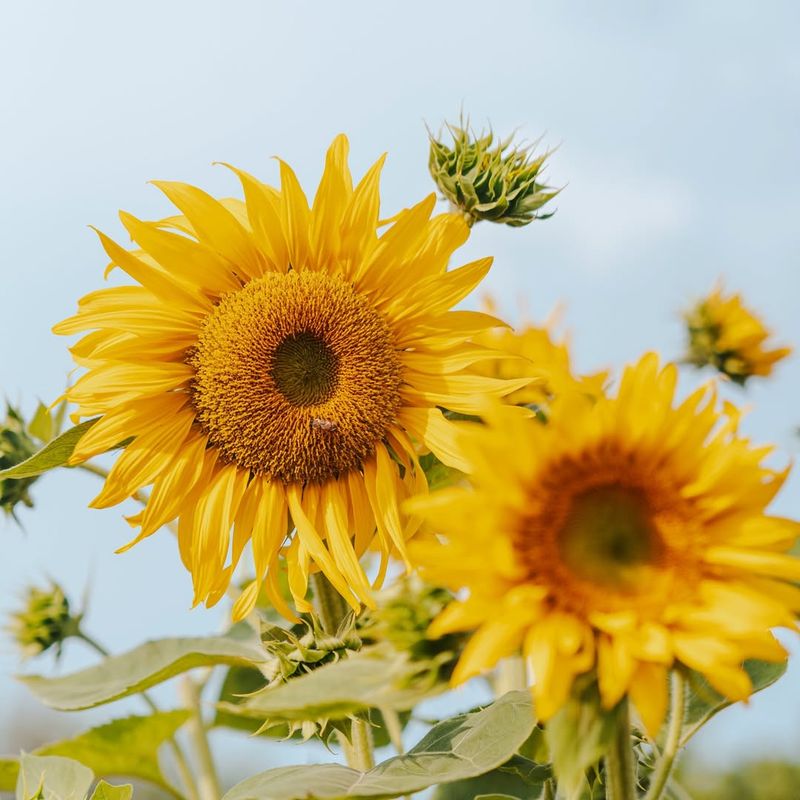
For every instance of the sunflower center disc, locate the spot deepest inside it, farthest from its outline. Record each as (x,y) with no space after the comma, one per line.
(305,369)
(608,538)
(296,377)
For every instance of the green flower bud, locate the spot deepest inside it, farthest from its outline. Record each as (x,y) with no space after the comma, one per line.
(484,179)
(404,614)
(45,621)
(16,445)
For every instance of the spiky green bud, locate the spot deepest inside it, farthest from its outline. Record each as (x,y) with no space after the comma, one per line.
(16,444)
(44,621)
(488,179)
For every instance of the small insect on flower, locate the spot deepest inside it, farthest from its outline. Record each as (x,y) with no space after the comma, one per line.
(324,424)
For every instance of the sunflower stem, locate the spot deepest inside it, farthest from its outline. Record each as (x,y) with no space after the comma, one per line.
(512,674)
(208,781)
(548,792)
(180,759)
(672,744)
(620,773)
(332,608)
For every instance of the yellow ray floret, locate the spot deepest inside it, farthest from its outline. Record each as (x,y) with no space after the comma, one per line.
(626,535)
(278,366)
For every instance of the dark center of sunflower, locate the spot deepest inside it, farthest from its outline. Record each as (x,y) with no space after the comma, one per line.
(305,369)
(608,538)
(296,377)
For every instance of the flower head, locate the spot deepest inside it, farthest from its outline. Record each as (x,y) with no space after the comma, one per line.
(489,180)
(44,621)
(725,334)
(625,536)
(278,365)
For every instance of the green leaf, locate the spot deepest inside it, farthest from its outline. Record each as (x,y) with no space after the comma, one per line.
(9,770)
(139,669)
(105,791)
(703,702)
(41,425)
(52,778)
(455,749)
(519,778)
(373,678)
(578,736)
(123,747)
(53,454)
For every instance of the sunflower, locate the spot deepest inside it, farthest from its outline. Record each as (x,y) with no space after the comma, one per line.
(538,354)
(728,336)
(625,536)
(278,367)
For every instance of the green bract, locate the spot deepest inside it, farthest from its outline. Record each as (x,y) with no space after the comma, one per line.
(489,179)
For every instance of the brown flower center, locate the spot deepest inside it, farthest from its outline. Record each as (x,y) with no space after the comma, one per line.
(296,377)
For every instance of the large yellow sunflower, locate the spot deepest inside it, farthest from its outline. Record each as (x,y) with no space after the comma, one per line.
(624,535)
(279,366)
(724,333)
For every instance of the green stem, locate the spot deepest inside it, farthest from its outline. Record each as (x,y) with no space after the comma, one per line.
(393,727)
(620,774)
(512,674)
(208,782)
(673,741)
(548,793)
(332,609)
(180,759)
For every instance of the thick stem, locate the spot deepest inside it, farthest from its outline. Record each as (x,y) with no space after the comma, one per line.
(332,609)
(620,774)
(393,727)
(548,792)
(512,674)
(208,782)
(180,759)
(673,741)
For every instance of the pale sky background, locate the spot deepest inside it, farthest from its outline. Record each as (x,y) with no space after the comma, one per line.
(678,129)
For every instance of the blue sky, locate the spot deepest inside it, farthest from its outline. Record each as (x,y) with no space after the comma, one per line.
(677,132)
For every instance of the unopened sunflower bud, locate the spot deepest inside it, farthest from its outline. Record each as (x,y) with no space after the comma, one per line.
(726,335)
(404,615)
(44,621)
(488,179)
(15,446)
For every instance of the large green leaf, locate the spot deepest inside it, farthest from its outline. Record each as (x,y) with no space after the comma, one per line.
(54,454)
(126,747)
(518,778)
(703,702)
(455,749)
(52,778)
(373,678)
(138,669)
(240,682)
